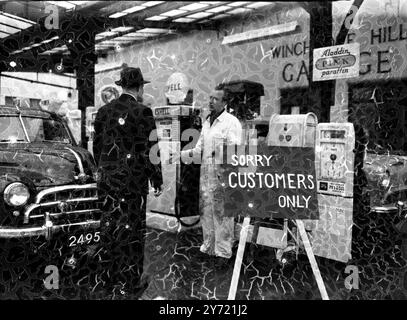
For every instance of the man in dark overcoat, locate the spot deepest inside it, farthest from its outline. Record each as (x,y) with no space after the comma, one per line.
(122,152)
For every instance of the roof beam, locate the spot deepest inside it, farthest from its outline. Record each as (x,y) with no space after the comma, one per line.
(140,24)
(76,22)
(71,26)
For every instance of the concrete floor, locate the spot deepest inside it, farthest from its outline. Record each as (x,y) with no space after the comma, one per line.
(175,270)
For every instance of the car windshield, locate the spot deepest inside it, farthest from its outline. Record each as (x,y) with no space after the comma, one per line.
(11,130)
(38,130)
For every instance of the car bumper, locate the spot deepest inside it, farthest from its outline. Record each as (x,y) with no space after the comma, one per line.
(384,209)
(46,230)
(60,208)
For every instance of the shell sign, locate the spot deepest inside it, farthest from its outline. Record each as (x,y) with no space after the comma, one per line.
(177,88)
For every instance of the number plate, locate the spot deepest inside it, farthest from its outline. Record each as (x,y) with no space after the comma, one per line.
(83,238)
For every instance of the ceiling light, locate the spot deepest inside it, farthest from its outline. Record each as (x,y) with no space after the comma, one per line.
(78,2)
(239,10)
(153,30)
(123,39)
(108,42)
(173,13)
(238,3)
(184,20)
(194,6)
(17,17)
(258,4)
(14,21)
(13,64)
(157,18)
(218,9)
(145,34)
(199,15)
(63,4)
(117,15)
(152,3)
(132,34)
(8,29)
(134,9)
(121,29)
(105,34)
(51,39)
(260,33)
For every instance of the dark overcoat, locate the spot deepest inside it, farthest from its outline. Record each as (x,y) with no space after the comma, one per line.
(122,147)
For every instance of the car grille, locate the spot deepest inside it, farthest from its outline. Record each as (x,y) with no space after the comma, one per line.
(64,205)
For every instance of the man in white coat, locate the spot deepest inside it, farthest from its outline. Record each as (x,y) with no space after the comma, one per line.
(220,127)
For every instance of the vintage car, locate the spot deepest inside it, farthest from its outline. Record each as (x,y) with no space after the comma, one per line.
(47,184)
(386,175)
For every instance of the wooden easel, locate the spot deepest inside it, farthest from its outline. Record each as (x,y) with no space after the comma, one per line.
(308,250)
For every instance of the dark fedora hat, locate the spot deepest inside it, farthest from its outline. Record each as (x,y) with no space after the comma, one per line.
(131,77)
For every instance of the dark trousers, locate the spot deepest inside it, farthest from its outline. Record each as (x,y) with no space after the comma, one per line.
(123,227)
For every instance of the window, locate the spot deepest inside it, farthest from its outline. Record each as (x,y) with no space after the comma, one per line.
(46,130)
(11,130)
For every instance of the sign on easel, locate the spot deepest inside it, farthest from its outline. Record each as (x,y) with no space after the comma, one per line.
(275,182)
(270,181)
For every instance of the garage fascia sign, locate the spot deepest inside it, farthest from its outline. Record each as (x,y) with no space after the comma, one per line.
(336,62)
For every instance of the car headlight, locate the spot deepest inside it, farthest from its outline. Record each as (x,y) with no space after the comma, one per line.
(16,194)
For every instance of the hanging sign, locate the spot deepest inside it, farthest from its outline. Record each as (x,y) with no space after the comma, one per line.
(337,62)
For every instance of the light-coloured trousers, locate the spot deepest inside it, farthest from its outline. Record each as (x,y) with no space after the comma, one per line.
(218,230)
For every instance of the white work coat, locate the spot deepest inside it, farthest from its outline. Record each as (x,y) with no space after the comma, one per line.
(218,230)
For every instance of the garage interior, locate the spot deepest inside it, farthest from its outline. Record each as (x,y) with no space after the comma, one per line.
(69,42)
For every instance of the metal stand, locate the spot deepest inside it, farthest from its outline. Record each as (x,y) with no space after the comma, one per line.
(308,250)
(239,258)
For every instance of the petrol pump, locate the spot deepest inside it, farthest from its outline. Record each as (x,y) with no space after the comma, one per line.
(331,235)
(296,131)
(178,126)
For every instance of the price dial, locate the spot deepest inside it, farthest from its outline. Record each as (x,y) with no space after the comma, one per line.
(332,160)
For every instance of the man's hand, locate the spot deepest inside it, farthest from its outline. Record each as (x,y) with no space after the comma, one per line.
(158,191)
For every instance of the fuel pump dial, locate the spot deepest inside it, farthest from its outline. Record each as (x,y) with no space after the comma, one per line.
(332,160)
